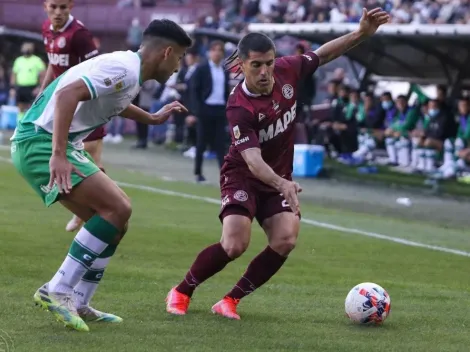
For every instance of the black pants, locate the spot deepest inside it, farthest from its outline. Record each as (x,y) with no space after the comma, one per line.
(210,131)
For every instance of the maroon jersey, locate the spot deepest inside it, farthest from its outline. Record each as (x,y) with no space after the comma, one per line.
(267,121)
(68,46)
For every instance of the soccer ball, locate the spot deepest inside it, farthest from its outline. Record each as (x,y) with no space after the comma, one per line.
(367,303)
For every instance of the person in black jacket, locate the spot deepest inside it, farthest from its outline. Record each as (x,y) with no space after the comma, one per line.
(209,89)
(439,127)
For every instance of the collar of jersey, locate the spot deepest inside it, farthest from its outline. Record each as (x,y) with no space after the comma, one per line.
(247,92)
(65,26)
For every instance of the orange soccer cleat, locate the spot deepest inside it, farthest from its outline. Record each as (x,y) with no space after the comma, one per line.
(227,307)
(177,303)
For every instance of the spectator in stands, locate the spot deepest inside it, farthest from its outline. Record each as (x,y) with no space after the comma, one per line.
(439,128)
(462,143)
(399,127)
(145,101)
(134,35)
(389,112)
(181,85)
(26,75)
(371,128)
(209,91)
(333,128)
(304,100)
(4,86)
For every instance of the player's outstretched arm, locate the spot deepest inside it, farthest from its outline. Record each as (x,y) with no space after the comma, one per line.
(265,173)
(370,22)
(135,113)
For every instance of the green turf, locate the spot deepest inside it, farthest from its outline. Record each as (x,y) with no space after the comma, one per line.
(301,309)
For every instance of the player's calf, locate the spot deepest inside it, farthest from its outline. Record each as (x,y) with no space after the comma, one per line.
(236,234)
(282,231)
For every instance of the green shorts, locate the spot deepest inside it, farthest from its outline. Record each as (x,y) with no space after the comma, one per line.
(31,158)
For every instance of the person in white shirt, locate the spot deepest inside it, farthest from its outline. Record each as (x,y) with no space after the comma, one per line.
(47,150)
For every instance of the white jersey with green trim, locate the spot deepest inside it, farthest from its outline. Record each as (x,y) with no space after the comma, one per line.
(113,81)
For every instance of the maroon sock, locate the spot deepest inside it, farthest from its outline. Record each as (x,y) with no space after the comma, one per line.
(208,263)
(260,270)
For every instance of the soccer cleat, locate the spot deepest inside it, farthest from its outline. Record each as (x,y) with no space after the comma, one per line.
(177,303)
(62,306)
(89,314)
(73,224)
(227,307)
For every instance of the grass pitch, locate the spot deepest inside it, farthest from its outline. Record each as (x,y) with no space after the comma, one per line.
(300,309)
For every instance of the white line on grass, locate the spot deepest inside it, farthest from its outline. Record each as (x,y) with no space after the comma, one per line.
(306,221)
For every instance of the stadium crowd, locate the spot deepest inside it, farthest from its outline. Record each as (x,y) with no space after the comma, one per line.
(342,11)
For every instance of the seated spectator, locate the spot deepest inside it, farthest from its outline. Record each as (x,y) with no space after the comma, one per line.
(439,127)
(399,127)
(462,143)
(371,128)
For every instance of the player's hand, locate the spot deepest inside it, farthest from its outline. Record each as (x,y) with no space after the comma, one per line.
(61,173)
(372,20)
(289,190)
(164,113)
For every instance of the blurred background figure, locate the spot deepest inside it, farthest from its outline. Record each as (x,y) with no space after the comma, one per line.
(209,89)
(27,73)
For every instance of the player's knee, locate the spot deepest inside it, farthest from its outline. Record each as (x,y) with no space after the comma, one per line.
(234,249)
(285,244)
(122,209)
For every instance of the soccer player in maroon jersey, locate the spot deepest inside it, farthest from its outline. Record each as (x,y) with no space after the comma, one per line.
(256,178)
(68,43)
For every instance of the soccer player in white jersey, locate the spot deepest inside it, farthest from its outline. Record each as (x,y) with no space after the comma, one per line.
(47,150)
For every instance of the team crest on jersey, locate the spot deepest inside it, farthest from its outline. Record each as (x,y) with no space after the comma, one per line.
(241,196)
(287,91)
(61,43)
(107,82)
(119,86)
(236,132)
(261,116)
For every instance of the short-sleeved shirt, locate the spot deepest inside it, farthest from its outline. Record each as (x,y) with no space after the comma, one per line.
(267,121)
(68,46)
(113,81)
(27,70)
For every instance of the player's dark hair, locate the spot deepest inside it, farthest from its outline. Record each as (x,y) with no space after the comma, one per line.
(257,42)
(169,30)
(402,97)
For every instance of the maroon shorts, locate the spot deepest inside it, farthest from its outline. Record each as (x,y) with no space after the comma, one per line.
(97,134)
(244,197)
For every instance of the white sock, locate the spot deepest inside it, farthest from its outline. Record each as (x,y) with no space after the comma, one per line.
(86,288)
(414,153)
(391,151)
(430,160)
(404,152)
(83,252)
(448,152)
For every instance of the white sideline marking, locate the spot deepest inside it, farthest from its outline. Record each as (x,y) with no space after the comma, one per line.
(324,225)
(306,221)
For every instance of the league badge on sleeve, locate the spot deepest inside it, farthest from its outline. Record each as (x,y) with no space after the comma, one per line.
(236,132)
